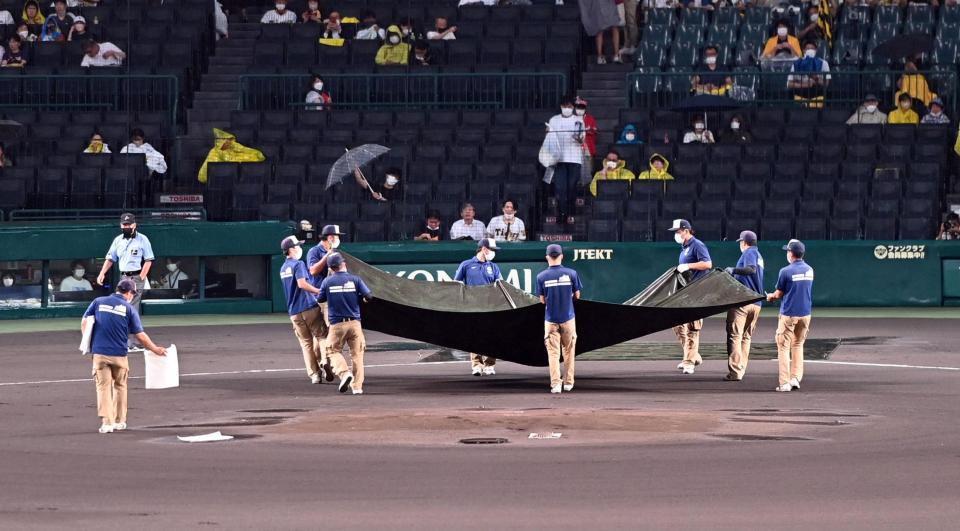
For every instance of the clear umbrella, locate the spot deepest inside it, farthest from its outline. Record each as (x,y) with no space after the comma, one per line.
(352,160)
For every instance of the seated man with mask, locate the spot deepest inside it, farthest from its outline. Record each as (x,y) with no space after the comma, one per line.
(174,276)
(76,282)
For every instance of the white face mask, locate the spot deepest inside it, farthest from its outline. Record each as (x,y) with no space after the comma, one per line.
(394,39)
(318,86)
(297,252)
(172,267)
(566,111)
(280,7)
(392,181)
(508,217)
(405,31)
(810,53)
(24,34)
(710,60)
(699,127)
(489,255)
(814,17)
(335,243)
(935,113)
(580,112)
(871,108)
(7,282)
(630,137)
(313,6)
(734,125)
(677,238)
(782,32)
(612,164)
(78,273)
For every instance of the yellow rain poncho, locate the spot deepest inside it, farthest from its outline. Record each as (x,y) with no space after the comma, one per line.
(393,54)
(227,149)
(38,18)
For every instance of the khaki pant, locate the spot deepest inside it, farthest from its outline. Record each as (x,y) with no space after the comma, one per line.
(322,344)
(741,323)
(478,362)
(351,333)
(791,333)
(689,336)
(110,375)
(557,337)
(310,327)
(631,32)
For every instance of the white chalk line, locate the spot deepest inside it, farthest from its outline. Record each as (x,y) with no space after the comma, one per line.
(889,365)
(224,373)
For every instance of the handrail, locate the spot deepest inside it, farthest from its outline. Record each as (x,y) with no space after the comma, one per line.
(94,214)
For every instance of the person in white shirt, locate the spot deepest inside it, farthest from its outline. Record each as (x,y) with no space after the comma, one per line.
(467,228)
(102,54)
(478,3)
(76,282)
(564,140)
(280,15)
(371,30)
(174,275)
(508,227)
(700,133)
(5,17)
(156,163)
(442,30)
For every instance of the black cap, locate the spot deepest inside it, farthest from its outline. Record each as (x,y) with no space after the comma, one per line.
(126,286)
(127,218)
(335,260)
(748,236)
(680,224)
(554,250)
(330,230)
(487,243)
(796,247)
(289,243)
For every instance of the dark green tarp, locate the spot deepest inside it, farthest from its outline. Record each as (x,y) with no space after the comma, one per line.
(501,321)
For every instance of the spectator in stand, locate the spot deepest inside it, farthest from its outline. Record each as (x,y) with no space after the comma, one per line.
(279,15)
(712,78)
(408,32)
(27,33)
(809,77)
(812,30)
(78,32)
(631,32)
(390,189)
(936,114)
(614,169)
(97,145)
(312,13)
(442,30)
(782,45)
(868,113)
(102,54)
(508,227)
(433,228)
(597,17)
(467,228)
(51,33)
(903,114)
(737,132)
(370,30)
(950,228)
(14,56)
(318,99)
(60,17)
(5,161)
(477,3)
(394,51)
(700,133)
(156,163)
(31,14)
(564,142)
(333,28)
(629,136)
(658,169)
(589,125)
(5,17)
(914,83)
(76,282)
(421,54)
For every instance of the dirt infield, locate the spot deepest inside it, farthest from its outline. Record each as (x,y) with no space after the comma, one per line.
(871,441)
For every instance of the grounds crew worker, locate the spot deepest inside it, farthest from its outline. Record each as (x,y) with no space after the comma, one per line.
(558,286)
(303,308)
(343,292)
(742,321)
(795,286)
(694,258)
(114,319)
(480,271)
(317,263)
(133,254)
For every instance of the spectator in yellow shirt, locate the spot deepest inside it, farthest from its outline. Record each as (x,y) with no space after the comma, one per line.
(903,114)
(393,52)
(613,169)
(915,84)
(782,45)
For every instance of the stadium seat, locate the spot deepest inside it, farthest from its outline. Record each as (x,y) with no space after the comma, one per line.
(810,228)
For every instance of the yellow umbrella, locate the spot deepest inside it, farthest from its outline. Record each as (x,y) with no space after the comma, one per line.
(227,149)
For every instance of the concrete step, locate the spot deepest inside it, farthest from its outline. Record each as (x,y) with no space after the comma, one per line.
(609,68)
(227,105)
(236,44)
(220,78)
(216,95)
(608,101)
(208,86)
(604,93)
(591,83)
(202,129)
(240,60)
(225,69)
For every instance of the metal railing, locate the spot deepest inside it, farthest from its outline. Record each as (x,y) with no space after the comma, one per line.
(513,90)
(96,91)
(197,213)
(663,90)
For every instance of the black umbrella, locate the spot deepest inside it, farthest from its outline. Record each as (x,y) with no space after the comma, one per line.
(706,102)
(905,46)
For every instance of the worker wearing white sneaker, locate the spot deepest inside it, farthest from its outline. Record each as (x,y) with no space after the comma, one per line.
(114,318)
(795,287)
(694,263)
(317,265)
(302,306)
(558,287)
(343,292)
(480,271)
(742,321)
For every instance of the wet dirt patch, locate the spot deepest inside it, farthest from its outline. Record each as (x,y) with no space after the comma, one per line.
(748,437)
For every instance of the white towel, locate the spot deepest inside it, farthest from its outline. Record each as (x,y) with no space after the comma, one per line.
(87,336)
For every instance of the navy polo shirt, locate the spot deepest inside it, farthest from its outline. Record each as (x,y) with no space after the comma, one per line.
(473,272)
(692,252)
(342,293)
(796,283)
(751,257)
(557,284)
(313,256)
(114,320)
(298,301)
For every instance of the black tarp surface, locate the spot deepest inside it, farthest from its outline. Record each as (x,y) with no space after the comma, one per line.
(502,321)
